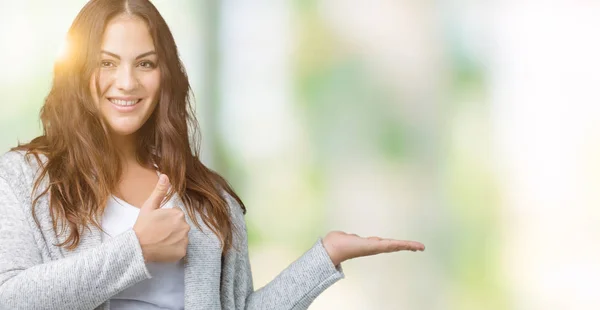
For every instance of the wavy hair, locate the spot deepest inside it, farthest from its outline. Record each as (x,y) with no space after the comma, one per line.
(82,163)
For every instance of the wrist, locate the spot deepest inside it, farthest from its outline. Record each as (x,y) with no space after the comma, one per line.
(143,248)
(331,251)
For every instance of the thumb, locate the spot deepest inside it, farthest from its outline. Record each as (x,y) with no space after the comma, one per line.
(158,194)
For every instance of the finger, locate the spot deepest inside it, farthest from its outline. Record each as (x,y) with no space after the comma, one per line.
(381,246)
(405,245)
(180,216)
(178,210)
(158,194)
(391,245)
(416,246)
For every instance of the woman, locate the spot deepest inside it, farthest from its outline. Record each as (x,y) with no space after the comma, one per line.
(89,218)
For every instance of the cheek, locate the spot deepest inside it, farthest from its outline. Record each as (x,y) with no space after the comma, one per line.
(97,80)
(152,83)
(93,90)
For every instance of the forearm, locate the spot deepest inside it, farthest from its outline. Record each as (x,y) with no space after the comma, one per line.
(81,281)
(299,284)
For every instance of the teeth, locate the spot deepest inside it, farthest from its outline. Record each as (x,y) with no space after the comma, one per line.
(124,102)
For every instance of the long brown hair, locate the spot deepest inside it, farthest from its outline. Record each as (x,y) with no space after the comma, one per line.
(82,164)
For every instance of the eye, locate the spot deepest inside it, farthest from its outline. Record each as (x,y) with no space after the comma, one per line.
(106,64)
(147,64)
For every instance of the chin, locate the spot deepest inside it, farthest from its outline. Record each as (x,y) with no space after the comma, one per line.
(123,132)
(124,129)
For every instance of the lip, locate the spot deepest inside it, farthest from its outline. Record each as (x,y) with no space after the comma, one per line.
(126,98)
(124,108)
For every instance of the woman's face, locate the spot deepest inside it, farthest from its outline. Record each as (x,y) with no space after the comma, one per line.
(128,75)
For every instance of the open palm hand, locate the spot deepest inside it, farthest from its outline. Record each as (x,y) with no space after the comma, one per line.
(342,246)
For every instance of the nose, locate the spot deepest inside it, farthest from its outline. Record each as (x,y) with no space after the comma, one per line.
(126,79)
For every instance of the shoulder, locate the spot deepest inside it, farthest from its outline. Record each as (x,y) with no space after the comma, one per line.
(236,213)
(235,208)
(18,168)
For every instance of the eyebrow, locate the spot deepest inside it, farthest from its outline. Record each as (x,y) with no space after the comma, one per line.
(138,57)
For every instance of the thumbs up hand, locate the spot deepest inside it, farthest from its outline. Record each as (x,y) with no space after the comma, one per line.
(162,233)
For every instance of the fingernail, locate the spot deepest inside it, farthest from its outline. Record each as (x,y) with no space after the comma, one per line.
(162,179)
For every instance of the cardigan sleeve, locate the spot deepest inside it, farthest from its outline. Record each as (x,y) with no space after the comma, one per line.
(81,281)
(295,288)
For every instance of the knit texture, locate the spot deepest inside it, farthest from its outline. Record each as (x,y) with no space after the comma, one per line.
(36,274)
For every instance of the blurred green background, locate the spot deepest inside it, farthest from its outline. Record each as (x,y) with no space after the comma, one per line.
(471,126)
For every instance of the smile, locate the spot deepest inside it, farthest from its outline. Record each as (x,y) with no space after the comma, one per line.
(124,103)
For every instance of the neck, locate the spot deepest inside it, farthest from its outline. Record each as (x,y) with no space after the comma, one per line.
(126,147)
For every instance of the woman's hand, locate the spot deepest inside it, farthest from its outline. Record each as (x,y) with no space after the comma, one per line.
(342,246)
(163,233)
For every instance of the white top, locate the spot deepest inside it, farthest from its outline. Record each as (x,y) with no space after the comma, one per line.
(165,290)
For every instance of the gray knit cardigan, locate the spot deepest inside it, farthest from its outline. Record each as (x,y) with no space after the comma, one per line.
(36,274)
